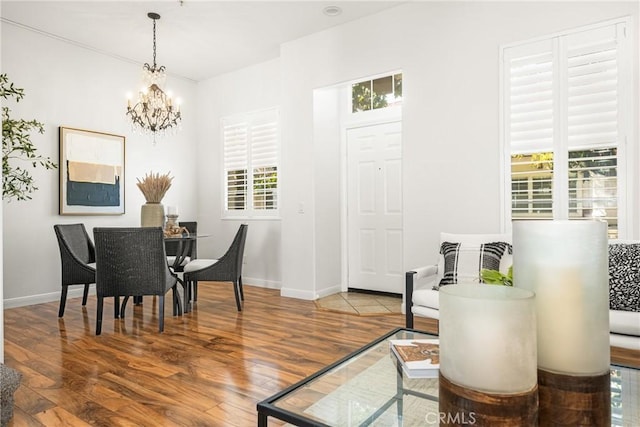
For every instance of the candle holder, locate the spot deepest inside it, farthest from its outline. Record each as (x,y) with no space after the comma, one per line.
(566,264)
(487,356)
(172,226)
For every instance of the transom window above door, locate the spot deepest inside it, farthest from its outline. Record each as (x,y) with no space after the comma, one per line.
(373,94)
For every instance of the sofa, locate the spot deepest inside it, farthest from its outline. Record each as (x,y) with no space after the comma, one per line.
(459,264)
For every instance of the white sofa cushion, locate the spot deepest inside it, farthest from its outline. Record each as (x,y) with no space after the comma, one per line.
(624,322)
(426,298)
(624,341)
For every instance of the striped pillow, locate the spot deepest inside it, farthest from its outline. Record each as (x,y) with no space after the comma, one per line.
(463,261)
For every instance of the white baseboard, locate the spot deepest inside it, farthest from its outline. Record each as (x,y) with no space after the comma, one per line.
(309,295)
(328,291)
(297,293)
(261,283)
(74,292)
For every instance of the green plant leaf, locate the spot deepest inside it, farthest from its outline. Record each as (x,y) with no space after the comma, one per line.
(17,148)
(494,277)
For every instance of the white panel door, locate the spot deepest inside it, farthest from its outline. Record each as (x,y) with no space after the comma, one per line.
(374,207)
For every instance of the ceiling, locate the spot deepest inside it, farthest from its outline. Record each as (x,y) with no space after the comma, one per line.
(196,39)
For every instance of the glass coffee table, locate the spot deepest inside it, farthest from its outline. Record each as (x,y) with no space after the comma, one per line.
(368,388)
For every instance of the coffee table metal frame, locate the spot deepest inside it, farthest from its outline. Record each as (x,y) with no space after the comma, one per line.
(267,408)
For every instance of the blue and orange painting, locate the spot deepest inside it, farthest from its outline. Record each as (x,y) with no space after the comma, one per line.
(92,185)
(92,172)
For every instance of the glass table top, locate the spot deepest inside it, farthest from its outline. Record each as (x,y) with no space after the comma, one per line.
(362,389)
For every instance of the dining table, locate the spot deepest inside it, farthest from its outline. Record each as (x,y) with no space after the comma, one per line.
(185,243)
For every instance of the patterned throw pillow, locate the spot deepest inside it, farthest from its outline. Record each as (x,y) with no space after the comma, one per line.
(624,276)
(463,262)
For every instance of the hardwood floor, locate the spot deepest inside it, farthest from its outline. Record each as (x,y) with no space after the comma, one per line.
(209,368)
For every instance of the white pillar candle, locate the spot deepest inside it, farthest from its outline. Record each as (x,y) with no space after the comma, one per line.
(566,264)
(488,338)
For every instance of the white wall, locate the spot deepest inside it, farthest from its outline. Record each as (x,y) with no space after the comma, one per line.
(448,53)
(250,89)
(66,85)
(327,170)
(449,57)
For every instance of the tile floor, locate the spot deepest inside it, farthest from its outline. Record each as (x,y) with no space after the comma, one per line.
(361,304)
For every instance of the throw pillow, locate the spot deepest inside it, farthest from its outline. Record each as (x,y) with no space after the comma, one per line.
(463,262)
(624,276)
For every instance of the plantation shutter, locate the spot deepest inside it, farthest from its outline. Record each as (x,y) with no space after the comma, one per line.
(235,135)
(592,122)
(530,101)
(250,162)
(264,160)
(592,88)
(562,124)
(530,124)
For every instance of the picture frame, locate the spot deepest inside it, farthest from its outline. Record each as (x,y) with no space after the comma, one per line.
(92,172)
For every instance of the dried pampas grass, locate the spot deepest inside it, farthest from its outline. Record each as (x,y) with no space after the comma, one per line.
(154,186)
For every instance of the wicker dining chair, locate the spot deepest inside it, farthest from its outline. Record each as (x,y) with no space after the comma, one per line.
(77,255)
(131,261)
(227,268)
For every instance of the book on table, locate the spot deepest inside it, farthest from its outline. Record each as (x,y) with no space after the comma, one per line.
(419,358)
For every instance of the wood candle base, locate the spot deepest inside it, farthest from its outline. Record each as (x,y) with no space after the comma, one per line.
(567,400)
(460,406)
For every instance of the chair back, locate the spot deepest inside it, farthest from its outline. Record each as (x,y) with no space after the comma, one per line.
(241,236)
(75,244)
(234,255)
(131,261)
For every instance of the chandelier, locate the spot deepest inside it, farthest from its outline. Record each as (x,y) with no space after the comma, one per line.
(153,112)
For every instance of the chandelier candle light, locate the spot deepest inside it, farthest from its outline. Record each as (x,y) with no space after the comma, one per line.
(566,264)
(154,112)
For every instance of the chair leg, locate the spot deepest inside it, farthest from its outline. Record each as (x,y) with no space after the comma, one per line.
(236,291)
(185,291)
(99,316)
(63,300)
(240,286)
(116,307)
(161,314)
(195,290)
(124,306)
(188,290)
(85,294)
(177,308)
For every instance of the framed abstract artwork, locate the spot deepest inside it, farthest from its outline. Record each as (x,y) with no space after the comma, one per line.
(91,173)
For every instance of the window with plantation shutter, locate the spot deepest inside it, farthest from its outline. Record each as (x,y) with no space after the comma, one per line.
(251,152)
(564,117)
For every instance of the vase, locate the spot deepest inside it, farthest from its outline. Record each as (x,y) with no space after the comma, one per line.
(488,355)
(152,215)
(566,264)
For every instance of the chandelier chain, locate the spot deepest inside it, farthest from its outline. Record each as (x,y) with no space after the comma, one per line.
(154,44)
